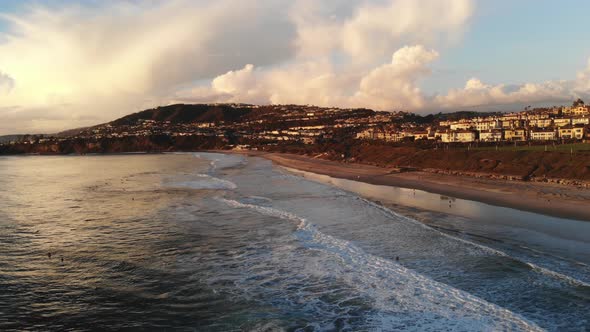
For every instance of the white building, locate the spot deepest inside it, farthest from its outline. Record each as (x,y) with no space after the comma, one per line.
(543,135)
(571,132)
(561,122)
(463,136)
(583,120)
(487,125)
(541,123)
(466,136)
(461,125)
(490,135)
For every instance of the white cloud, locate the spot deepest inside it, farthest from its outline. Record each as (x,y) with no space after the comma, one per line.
(6,83)
(416,21)
(389,86)
(340,50)
(117,57)
(371,30)
(80,65)
(478,94)
(393,86)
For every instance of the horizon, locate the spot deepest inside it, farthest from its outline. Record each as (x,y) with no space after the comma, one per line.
(67,64)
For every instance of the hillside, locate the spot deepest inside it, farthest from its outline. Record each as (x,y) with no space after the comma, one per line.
(182,113)
(327,133)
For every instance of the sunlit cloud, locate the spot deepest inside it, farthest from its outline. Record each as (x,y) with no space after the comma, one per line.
(70,66)
(6,83)
(478,94)
(119,57)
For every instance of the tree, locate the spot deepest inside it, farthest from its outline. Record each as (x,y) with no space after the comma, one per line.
(578,102)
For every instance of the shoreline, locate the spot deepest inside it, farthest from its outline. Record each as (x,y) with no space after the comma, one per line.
(543,198)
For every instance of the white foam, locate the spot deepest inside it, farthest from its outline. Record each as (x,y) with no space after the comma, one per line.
(400,217)
(219,161)
(558,276)
(549,273)
(325,179)
(403,298)
(205,181)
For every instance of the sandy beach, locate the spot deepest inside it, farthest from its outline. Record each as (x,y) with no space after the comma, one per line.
(544,198)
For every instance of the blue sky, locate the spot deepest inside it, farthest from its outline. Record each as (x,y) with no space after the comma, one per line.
(416,55)
(516,41)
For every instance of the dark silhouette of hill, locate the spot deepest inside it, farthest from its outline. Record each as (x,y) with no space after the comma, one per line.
(182,113)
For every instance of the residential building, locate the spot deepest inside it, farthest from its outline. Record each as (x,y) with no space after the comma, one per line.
(466,136)
(579,110)
(491,135)
(446,136)
(561,122)
(580,120)
(487,125)
(540,123)
(539,134)
(517,134)
(461,126)
(418,135)
(571,132)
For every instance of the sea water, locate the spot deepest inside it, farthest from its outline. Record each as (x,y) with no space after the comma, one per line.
(214,242)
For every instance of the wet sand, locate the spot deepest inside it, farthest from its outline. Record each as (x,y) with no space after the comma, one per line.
(551,199)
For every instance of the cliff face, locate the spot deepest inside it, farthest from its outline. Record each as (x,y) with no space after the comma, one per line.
(522,165)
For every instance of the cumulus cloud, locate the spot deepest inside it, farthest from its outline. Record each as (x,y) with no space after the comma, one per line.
(113,58)
(78,65)
(478,94)
(393,85)
(371,30)
(388,86)
(93,62)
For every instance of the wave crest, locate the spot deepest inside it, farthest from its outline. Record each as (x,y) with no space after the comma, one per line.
(403,299)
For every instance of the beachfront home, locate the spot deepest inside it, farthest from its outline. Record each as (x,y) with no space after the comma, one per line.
(540,134)
(511,122)
(562,122)
(580,120)
(451,136)
(571,132)
(517,134)
(418,135)
(580,110)
(465,136)
(541,123)
(445,136)
(462,125)
(491,135)
(487,125)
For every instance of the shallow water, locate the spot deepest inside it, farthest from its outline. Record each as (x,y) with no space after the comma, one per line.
(215,242)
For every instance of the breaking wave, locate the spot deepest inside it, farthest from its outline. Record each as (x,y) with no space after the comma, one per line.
(401,298)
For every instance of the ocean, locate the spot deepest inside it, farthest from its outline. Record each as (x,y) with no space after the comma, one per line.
(216,242)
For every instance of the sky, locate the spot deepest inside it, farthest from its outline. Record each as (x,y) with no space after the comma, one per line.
(69,64)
